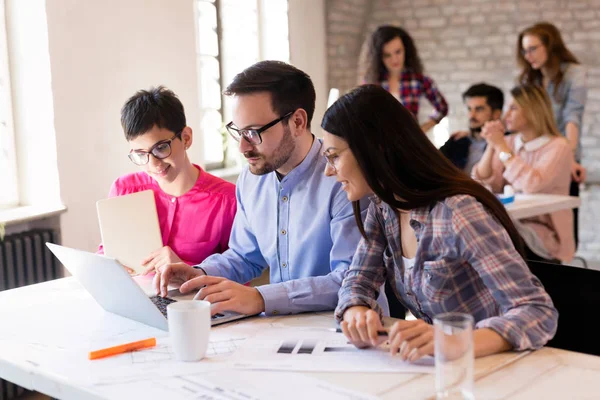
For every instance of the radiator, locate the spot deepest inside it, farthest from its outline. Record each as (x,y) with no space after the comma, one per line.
(24,260)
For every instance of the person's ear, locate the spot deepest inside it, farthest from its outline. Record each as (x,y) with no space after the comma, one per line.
(187,137)
(496,114)
(298,122)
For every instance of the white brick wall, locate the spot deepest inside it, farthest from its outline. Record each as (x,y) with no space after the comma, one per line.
(462,42)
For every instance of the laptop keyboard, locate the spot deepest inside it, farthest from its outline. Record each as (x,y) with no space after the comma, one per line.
(162,302)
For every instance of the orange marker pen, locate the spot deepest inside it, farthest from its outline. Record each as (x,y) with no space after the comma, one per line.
(123,348)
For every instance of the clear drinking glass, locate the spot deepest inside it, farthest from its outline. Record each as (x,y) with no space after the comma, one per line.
(454,356)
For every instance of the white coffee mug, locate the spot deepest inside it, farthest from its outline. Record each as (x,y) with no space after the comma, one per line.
(189,328)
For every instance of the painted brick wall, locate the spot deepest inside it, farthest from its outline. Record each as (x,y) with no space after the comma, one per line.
(462,42)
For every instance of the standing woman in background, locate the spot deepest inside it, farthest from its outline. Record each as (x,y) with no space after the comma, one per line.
(393,62)
(545,60)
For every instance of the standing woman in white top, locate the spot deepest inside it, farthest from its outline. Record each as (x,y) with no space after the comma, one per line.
(545,60)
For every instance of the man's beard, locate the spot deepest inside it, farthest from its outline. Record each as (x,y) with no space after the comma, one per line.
(477,131)
(280,156)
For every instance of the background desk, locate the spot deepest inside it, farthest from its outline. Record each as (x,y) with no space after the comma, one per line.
(530,205)
(47,330)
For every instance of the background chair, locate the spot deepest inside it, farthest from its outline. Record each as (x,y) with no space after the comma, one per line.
(576,295)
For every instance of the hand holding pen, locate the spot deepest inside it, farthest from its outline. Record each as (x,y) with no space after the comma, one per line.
(362,326)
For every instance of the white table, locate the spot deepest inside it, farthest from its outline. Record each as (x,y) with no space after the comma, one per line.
(530,205)
(47,330)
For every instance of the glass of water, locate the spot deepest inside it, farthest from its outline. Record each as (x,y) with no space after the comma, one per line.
(453,347)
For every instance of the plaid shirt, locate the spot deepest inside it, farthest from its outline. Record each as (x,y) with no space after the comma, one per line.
(412,86)
(465,262)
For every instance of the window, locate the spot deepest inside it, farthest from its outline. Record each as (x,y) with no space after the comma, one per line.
(8,162)
(232,35)
(441,133)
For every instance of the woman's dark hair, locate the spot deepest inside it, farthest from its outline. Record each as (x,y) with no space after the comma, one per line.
(375,70)
(557,52)
(399,163)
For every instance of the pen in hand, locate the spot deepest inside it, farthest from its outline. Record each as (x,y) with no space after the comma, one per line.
(379,333)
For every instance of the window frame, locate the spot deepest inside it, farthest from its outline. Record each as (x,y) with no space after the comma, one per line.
(10,183)
(221,59)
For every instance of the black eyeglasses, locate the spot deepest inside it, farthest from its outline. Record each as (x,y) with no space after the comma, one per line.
(252,136)
(160,151)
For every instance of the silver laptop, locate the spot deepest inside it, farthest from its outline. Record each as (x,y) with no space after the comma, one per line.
(117,292)
(129,228)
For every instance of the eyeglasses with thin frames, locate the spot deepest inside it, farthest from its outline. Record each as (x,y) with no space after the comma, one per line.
(160,151)
(253,136)
(334,158)
(530,50)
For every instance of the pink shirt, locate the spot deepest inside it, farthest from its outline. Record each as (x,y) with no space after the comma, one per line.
(542,165)
(195,224)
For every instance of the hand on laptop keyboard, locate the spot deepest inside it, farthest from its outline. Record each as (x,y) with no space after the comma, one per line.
(162,302)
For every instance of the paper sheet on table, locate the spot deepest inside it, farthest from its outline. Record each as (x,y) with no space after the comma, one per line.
(314,349)
(241,385)
(159,362)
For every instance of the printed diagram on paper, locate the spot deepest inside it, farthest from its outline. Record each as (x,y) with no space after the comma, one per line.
(309,349)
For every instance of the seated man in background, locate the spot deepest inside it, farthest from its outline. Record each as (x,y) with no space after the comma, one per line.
(465,148)
(290,217)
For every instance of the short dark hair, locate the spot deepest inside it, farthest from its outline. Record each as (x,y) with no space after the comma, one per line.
(290,88)
(157,106)
(493,96)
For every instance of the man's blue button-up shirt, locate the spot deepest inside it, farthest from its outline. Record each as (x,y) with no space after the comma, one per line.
(302,227)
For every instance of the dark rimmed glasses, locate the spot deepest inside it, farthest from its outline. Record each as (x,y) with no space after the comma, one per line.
(253,136)
(160,151)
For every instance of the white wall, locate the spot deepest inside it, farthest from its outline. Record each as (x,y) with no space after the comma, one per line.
(84,60)
(100,53)
(307,36)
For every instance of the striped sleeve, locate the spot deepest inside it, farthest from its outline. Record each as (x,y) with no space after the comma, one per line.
(436,99)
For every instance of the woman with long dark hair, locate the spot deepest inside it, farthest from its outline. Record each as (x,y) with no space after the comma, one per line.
(393,62)
(444,242)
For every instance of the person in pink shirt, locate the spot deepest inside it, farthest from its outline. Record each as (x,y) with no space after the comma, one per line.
(534,159)
(195,209)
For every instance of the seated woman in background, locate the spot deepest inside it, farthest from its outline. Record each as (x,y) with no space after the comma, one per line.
(195,209)
(534,159)
(393,62)
(444,241)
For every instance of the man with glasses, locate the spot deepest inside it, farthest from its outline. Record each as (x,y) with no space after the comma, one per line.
(291,218)
(195,209)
